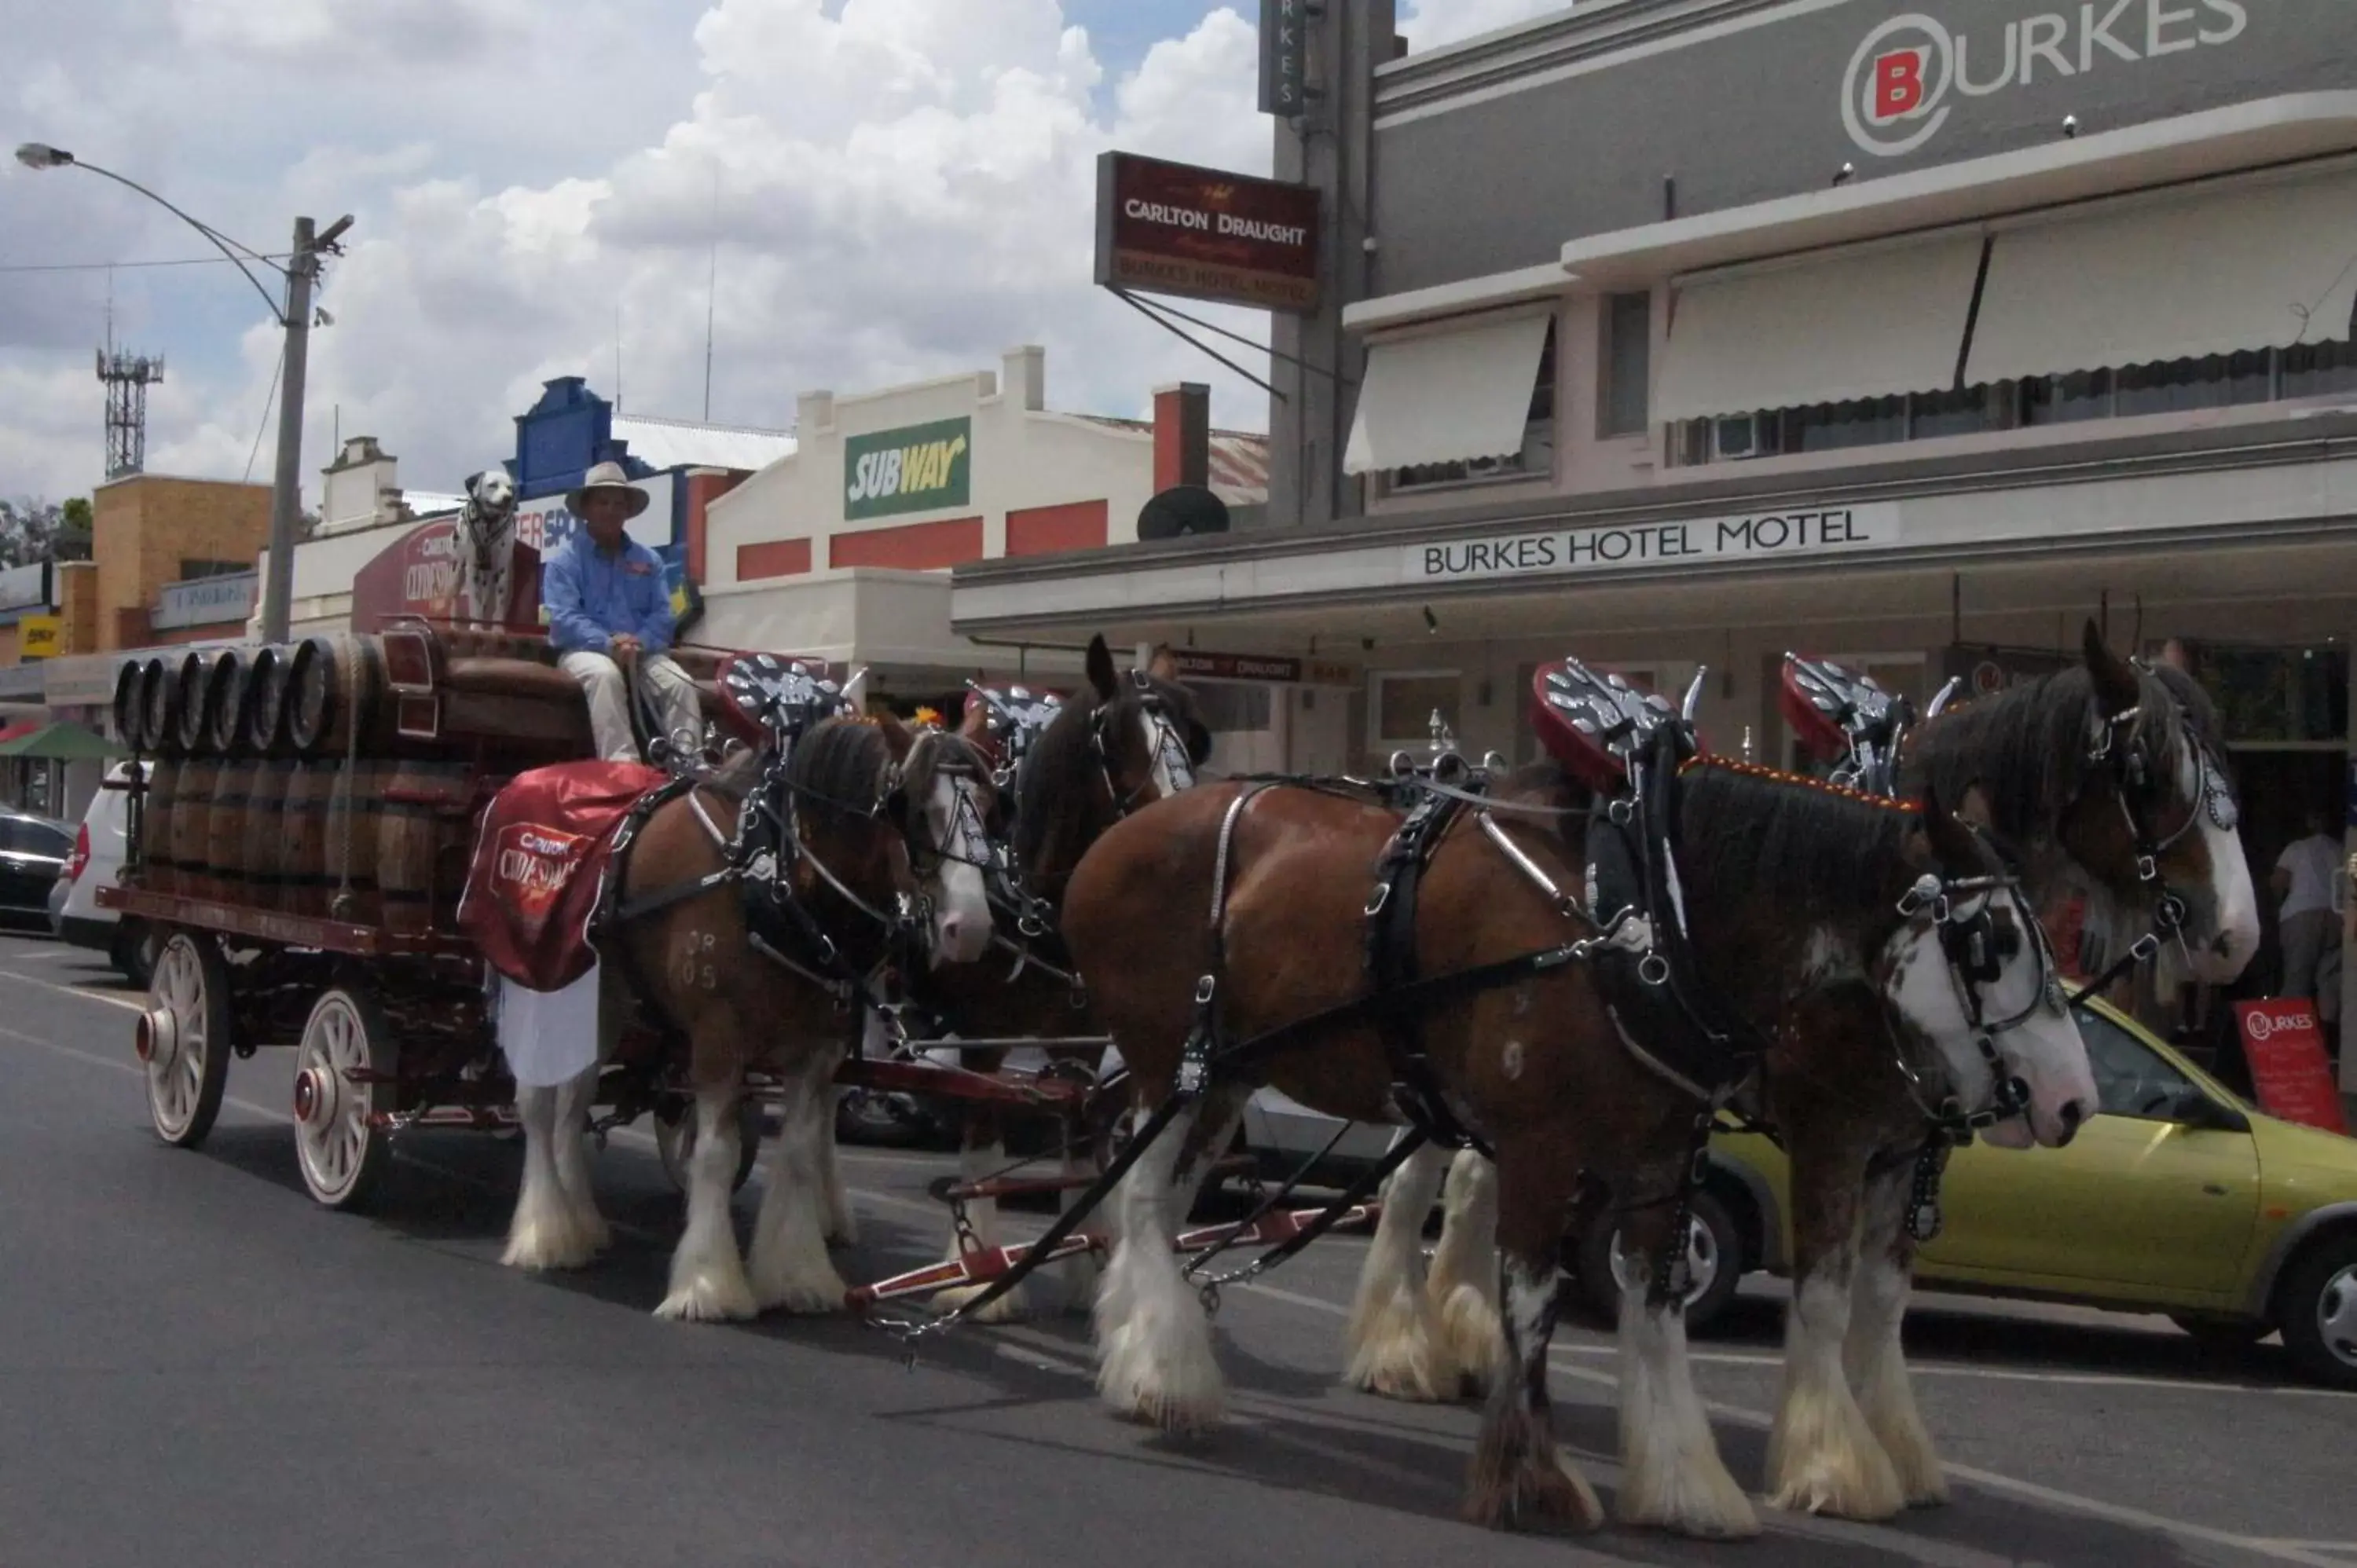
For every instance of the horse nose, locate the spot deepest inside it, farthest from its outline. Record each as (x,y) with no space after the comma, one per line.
(2073,1115)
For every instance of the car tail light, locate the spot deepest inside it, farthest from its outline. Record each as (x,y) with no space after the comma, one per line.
(80,856)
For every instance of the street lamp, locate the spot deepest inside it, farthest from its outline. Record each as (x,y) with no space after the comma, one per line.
(301,271)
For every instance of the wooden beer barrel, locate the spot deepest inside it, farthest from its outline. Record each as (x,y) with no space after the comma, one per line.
(129,711)
(424,818)
(228,688)
(261,858)
(159,696)
(157,874)
(192,690)
(265,706)
(303,855)
(348,871)
(193,806)
(225,830)
(332,693)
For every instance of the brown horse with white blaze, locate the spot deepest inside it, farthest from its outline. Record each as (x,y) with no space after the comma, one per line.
(1796,890)
(1117,746)
(761,970)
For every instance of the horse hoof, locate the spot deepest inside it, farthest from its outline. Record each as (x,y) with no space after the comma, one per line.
(538,1248)
(1865,1492)
(1519,1481)
(1170,1413)
(1706,1507)
(705,1300)
(1473,1337)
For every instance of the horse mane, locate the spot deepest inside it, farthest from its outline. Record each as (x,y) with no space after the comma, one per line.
(2026,748)
(837,770)
(1059,766)
(1823,850)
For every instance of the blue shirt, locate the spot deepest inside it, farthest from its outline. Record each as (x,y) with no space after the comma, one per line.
(593,597)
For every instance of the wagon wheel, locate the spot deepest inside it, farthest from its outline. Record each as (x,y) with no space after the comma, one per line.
(184,1038)
(343,1154)
(675,1141)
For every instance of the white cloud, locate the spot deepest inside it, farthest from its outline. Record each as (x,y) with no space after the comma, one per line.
(905,187)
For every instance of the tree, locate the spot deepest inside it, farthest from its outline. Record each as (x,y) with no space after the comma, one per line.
(28,531)
(76,531)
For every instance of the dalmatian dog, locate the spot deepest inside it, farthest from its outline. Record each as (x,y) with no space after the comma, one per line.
(486,537)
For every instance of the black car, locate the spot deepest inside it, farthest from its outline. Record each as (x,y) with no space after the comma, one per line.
(33,855)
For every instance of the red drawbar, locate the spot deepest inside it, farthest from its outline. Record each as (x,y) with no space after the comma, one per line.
(539,858)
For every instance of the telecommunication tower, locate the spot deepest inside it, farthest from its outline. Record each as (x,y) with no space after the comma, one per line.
(127,377)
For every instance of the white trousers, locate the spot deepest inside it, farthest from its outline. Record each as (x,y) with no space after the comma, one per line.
(667,688)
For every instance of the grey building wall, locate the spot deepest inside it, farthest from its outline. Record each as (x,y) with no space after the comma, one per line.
(1482,166)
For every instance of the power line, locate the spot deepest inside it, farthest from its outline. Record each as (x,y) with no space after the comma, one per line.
(111,266)
(268,399)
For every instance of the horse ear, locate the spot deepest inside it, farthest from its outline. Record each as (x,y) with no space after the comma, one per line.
(1162,666)
(898,737)
(1975,808)
(1100,670)
(2116,686)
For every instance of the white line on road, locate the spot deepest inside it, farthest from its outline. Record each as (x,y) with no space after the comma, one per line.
(1988,1480)
(134,1003)
(2311,1555)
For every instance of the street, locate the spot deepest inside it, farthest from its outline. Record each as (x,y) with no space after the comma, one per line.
(199,1367)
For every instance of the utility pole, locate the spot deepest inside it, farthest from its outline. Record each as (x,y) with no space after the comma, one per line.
(286,487)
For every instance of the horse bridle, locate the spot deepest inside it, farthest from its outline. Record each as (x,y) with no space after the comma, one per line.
(1960,912)
(1166,747)
(2135,788)
(969,840)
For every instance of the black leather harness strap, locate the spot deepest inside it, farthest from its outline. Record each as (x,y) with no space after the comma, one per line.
(1391,969)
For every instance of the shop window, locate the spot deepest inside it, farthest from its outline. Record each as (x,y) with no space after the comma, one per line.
(1535,460)
(1404,702)
(2217,380)
(2277,695)
(1626,407)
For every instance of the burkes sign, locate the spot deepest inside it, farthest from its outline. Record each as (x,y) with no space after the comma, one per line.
(1908,74)
(1205,233)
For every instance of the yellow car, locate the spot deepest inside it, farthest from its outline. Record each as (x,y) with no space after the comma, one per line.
(2178,1198)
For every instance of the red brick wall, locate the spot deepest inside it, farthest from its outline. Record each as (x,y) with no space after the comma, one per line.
(915,547)
(772,558)
(703,489)
(1040,530)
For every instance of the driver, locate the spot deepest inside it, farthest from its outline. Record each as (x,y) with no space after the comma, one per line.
(611,619)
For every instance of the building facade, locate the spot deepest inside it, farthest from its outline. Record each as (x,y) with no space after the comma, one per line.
(1984,322)
(843,549)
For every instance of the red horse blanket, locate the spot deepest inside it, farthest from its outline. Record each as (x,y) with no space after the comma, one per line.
(539,859)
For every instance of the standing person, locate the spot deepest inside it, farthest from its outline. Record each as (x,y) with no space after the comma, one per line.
(2308,926)
(610,617)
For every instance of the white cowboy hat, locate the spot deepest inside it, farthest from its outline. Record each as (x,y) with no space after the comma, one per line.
(607,477)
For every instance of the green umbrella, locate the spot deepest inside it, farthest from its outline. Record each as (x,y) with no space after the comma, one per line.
(62,743)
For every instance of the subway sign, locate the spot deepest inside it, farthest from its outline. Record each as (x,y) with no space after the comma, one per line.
(919,468)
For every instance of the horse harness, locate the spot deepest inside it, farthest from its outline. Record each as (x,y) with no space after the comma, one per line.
(760,854)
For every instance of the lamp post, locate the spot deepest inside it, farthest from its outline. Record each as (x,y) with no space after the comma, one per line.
(302,269)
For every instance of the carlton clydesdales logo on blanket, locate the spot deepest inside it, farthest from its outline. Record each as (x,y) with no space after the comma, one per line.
(539,859)
(532,866)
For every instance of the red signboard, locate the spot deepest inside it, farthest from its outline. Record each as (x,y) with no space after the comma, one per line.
(2286,1050)
(1206,233)
(418,574)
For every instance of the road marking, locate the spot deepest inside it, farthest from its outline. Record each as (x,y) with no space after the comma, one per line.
(136,1004)
(2007,1374)
(2310,1554)
(1988,1480)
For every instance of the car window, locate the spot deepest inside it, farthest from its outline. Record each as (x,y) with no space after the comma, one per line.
(2131,1078)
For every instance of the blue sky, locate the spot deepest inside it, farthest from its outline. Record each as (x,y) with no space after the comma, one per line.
(907,185)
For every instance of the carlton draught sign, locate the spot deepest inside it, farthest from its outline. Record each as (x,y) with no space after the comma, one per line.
(1175,228)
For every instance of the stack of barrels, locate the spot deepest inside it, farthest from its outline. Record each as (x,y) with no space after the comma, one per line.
(280,785)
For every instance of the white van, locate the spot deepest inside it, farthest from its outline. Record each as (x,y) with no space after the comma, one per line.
(98,854)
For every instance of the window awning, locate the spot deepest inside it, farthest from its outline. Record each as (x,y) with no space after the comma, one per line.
(2257,266)
(1886,319)
(1447,397)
